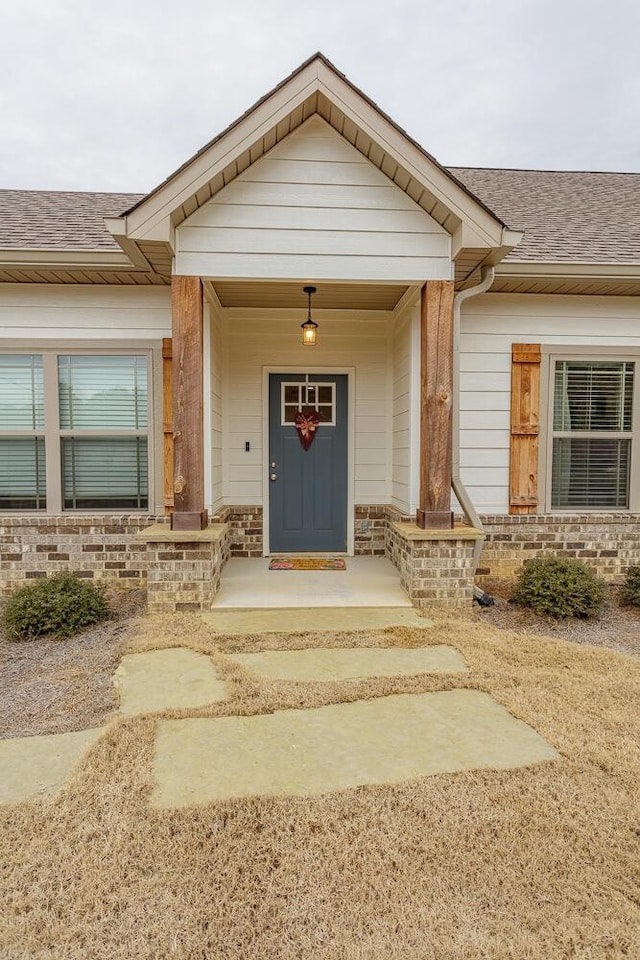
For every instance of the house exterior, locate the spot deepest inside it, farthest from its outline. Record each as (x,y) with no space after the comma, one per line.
(474,380)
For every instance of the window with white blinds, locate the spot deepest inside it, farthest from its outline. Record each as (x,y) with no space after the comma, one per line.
(592,434)
(22,451)
(103,427)
(92,432)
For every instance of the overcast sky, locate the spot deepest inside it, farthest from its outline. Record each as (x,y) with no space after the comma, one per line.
(115,94)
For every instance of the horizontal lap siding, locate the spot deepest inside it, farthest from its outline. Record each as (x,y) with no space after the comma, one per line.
(314,207)
(491,323)
(252,345)
(58,312)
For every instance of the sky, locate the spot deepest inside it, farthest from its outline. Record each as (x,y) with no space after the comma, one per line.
(115,94)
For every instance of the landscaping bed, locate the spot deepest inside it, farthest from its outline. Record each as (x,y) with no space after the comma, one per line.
(55,686)
(618,627)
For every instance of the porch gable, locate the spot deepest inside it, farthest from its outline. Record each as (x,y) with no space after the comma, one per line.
(314,206)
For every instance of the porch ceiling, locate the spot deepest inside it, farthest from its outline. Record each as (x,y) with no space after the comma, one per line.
(329,296)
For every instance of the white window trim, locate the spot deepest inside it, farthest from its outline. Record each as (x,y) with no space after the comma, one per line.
(551,353)
(50,350)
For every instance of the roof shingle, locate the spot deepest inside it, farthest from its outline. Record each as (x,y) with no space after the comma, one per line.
(567,216)
(50,220)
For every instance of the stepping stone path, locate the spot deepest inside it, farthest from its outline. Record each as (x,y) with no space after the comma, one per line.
(340,663)
(303,752)
(300,620)
(175,678)
(30,766)
(289,752)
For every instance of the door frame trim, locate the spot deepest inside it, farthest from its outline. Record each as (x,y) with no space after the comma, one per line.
(324,370)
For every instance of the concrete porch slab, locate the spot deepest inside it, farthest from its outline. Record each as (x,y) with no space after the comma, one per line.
(366,582)
(31,766)
(298,620)
(305,752)
(326,663)
(175,678)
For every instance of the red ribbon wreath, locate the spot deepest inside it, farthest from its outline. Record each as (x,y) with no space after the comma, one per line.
(306,424)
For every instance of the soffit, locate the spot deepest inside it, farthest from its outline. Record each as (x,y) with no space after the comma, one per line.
(329,296)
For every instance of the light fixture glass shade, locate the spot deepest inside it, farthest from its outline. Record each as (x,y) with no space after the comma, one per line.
(309,333)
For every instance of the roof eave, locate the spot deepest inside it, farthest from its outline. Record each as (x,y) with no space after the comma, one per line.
(71,258)
(579,269)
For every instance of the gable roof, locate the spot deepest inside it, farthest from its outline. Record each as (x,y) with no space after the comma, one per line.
(316,87)
(314,58)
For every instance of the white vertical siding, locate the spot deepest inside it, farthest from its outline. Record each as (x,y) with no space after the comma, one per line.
(58,312)
(490,324)
(405,352)
(215,388)
(254,343)
(313,207)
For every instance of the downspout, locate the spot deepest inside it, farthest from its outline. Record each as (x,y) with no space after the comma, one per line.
(486,279)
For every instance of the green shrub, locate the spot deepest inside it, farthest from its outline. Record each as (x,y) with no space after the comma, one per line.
(560,588)
(630,593)
(61,605)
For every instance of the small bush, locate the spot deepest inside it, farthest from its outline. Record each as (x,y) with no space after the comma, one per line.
(560,588)
(61,605)
(630,593)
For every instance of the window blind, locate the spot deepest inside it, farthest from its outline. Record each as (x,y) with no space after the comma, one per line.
(593,410)
(102,393)
(22,473)
(22,459)
(105,472)
(96,394)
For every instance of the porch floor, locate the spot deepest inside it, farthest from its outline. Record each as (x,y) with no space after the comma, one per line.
(367,582)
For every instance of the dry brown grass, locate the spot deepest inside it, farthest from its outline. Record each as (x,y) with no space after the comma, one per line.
(527,864)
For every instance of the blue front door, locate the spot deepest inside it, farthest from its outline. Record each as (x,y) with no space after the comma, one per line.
(308,488)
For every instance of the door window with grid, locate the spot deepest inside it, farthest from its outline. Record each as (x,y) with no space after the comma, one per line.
(592,433)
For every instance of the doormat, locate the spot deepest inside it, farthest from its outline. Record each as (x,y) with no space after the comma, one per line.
(308,563)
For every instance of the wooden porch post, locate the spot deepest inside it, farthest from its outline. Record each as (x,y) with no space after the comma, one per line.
(188,396)
(436,405)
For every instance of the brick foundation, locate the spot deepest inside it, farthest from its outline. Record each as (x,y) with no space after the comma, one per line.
(107,548)
(184,568)
(93,547)
(436,567)
(245,529)
(606,542)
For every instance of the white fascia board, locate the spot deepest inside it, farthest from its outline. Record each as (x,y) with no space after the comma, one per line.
(152,219)
(61,259)
(117,227)
(405,153)
(542,269)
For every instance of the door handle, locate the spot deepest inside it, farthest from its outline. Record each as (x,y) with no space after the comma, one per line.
(273,477)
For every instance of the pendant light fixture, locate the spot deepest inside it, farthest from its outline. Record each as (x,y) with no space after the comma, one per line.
(309,328)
